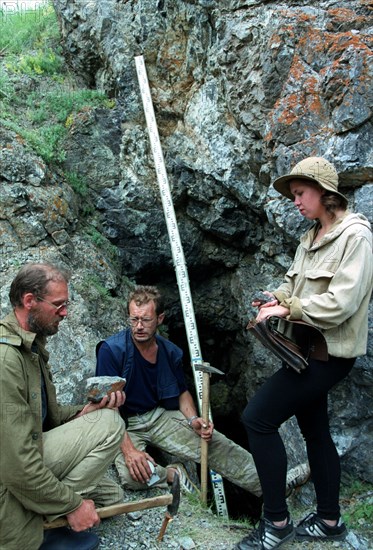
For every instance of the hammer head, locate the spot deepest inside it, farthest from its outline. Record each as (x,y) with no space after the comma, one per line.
(175,491)
(206,367)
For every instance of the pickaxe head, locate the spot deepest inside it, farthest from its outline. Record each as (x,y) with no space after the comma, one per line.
(206,367)
(171,508)
(175,492)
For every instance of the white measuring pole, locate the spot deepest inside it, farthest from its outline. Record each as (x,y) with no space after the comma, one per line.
(178,259)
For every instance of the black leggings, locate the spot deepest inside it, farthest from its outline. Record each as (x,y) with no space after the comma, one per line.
(304,395)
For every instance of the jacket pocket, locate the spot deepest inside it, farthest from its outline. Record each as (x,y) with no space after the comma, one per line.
(315,274)
(317,281)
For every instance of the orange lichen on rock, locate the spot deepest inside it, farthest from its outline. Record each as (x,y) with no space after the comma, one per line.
(341,15)
(287,111)
(59,208)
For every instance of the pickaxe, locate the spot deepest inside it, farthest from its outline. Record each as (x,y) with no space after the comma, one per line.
(207,370)
(172,500)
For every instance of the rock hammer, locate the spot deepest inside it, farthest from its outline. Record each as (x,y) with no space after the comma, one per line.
(207,370)
(172,500)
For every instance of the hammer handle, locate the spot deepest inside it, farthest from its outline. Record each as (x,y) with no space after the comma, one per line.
(204,444)
(116,509)
(166,521)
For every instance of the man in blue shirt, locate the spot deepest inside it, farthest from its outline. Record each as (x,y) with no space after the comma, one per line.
(160,411)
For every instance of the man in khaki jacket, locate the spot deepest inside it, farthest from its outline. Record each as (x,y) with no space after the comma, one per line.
(53,458)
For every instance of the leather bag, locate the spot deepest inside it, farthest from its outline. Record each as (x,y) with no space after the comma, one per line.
(306,341)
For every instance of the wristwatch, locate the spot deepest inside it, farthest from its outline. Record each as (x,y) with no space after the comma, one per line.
(191,419)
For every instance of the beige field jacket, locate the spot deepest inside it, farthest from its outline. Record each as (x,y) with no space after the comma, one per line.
(330,283)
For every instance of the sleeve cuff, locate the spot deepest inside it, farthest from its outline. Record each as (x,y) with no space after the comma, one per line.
(279,295)
(295,307)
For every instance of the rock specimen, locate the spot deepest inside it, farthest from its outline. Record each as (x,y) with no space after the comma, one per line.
(99,386)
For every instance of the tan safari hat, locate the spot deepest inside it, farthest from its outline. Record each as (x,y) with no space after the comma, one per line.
(315,169)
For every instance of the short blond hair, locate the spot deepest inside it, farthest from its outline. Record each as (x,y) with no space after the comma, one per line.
(143,294)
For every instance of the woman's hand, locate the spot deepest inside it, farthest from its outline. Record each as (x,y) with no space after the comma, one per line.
(268,311)
(264,299)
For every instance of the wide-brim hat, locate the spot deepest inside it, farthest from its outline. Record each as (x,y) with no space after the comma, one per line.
(314,169)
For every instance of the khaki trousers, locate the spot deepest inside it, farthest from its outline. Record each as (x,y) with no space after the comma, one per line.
(80,452)
(169,431)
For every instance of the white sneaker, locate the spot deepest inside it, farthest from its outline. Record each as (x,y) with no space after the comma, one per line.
(185,481)
(297,476)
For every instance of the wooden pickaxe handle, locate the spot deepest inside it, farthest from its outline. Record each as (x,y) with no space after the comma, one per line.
(117,509)
(166,521)
(204,443)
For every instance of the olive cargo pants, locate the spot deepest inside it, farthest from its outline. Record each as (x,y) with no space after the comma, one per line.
(80,452)
(169,431)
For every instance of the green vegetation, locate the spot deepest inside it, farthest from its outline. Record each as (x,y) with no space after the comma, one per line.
(96,237)
(45,141)
(62,105)
(77,183)
(43,61)
(102,242)
(357,504)
(41,101)
(45,107)
(92,286)
(25,29)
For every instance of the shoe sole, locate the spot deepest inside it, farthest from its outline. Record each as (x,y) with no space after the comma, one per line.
(332,538)
(289,538)
(299,479)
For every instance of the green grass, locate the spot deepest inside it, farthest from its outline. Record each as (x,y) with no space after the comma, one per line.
(27,29)
(6,87)
(61,104)
(38,97)
(357,504)
(41,103)
(102,242)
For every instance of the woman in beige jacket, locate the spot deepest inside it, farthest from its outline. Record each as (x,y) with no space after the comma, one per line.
(328,285)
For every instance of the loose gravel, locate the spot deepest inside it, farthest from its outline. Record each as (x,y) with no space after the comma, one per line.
(194,527)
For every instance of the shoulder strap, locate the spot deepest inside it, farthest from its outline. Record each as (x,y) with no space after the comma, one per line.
(118,346)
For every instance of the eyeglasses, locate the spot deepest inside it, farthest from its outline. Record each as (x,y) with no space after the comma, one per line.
(57,308)
(134,321)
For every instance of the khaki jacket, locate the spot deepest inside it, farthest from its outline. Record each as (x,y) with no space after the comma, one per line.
(330,283)
(28,490)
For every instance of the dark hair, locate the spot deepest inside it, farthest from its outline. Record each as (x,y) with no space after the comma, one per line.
(35,278)
(333,202)
(143,294)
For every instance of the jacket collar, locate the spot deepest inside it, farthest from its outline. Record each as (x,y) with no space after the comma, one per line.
(338,227)
(17,336)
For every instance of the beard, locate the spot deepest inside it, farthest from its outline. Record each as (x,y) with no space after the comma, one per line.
(41,327)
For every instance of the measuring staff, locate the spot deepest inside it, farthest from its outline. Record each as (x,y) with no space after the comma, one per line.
(178,259)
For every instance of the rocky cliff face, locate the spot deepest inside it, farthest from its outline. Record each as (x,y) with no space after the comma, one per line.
(242,90)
